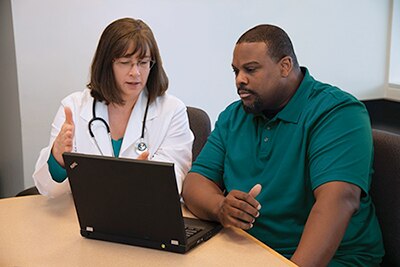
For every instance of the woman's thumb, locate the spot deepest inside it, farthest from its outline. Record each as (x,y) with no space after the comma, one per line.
(68,115)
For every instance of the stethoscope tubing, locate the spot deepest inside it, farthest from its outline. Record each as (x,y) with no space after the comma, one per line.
(141,146)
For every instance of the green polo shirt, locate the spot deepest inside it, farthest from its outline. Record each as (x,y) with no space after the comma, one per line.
(323,134)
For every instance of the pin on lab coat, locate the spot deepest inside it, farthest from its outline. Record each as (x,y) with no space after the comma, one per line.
(167,135)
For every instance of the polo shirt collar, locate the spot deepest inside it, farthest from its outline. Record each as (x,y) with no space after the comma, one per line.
(292,111)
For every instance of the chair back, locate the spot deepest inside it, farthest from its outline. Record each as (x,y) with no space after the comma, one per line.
(200,125)
(385,192)
(29,191)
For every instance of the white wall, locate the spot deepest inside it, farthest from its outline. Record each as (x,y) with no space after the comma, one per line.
(393,89)
(342,42)
(394,73)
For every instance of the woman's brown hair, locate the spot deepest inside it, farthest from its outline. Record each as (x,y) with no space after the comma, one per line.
(114,43)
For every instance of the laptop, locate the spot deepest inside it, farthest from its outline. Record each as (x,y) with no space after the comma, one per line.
(132,202)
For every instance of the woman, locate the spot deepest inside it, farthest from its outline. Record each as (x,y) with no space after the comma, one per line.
(124,112)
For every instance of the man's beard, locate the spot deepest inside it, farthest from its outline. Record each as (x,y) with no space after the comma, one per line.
(255,107)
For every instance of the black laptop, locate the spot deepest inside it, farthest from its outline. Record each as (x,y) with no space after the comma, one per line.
(133,202)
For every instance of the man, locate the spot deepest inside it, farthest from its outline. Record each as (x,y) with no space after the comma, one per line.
(291,162)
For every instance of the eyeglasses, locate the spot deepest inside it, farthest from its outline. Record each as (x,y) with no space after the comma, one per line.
(127,64)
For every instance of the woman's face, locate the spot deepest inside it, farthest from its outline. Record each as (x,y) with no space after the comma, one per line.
(131,73)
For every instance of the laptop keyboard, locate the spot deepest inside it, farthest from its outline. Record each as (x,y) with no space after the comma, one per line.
(191,231)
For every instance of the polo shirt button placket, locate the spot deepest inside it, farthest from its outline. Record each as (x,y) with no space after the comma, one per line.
(268,128)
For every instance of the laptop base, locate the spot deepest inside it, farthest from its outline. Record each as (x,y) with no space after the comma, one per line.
(211,230)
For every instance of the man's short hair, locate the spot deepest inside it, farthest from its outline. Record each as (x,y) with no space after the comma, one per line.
(276,39)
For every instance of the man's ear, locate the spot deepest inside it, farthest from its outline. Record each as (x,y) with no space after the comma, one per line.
(286,64)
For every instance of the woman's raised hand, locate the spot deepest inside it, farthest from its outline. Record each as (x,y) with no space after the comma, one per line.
(64,139)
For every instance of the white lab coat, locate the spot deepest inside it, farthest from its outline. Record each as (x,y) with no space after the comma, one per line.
(167,135)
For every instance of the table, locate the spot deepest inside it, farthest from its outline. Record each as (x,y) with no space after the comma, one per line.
(37,231)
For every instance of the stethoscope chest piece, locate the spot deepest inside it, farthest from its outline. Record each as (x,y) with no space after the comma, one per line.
(140,146)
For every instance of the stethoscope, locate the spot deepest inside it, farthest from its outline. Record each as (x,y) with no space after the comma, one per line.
(140,144)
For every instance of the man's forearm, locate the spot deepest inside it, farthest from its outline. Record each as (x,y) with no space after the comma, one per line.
(202,196)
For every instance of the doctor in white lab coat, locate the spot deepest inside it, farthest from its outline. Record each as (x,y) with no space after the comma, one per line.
(126,72)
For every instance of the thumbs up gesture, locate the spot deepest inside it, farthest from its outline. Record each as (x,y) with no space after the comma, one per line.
(64,139)
(240,209)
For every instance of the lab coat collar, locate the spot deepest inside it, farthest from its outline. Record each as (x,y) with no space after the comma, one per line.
(133,129)
(98,128)
(86,112)
(135,123)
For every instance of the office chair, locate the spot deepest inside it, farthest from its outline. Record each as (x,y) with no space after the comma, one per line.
(29,191)
(385,192)
(199,124)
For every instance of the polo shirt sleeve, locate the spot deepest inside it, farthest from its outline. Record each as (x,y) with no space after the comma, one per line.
(210,162)
(340,146)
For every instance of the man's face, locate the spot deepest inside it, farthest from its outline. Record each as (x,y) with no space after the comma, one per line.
(258,77)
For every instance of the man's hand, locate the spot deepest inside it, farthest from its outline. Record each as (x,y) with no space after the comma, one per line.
(240,209)
(64,139)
